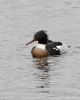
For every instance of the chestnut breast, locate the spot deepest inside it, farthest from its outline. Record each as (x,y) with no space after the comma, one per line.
(39,51)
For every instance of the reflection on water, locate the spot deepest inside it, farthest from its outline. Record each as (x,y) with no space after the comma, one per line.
(43,76)
(41,63)
(44,65)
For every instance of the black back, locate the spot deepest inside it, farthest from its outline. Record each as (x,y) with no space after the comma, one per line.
(52,47)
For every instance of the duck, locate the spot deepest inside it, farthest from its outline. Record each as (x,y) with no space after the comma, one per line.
(46,47)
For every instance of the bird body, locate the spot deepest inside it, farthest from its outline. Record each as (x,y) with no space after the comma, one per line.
(46,47)
(39,51)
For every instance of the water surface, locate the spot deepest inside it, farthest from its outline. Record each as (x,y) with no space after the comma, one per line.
(25,78)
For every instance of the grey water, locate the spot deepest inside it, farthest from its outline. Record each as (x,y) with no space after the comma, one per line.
(23,77)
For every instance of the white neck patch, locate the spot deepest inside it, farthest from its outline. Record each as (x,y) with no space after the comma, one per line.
(41,46)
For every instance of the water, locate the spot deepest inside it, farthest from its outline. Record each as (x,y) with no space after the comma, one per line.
(25,78)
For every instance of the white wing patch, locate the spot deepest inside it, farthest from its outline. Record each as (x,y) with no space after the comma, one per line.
(55,48)
(59,47)
(63,48)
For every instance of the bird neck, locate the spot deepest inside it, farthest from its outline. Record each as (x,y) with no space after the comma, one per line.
(41,46)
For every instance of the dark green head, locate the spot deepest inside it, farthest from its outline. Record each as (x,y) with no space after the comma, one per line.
(41,37)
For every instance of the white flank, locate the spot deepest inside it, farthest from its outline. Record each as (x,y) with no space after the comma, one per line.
(63,48)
